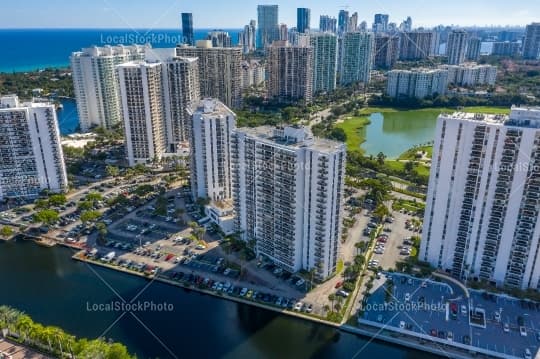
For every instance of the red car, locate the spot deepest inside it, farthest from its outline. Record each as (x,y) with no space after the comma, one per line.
(339,284)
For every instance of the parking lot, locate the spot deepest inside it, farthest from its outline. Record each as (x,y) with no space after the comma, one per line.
(437,310)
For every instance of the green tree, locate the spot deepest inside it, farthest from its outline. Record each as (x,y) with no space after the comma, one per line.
(41,204)
(57,199)
(332,298)
(102,229)
(380,158)
(112,171)
(46,216)
(90,216)
(6,231)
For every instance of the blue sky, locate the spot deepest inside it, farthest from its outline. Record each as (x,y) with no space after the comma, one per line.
(236,13)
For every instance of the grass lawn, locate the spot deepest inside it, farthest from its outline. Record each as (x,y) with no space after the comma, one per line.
(488,109)
(400,166)
(353,127)
(411,153)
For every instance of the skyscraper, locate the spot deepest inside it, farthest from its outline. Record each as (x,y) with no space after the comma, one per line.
(531,44)
(219,38)
(406,25)
(247,38)
(303,19)
(482,211)
(356,57)
(212,123)
(187,28)
(386,51)
(290,72)
(219,71)
(324,61)
(141,89)
(268,31)
(415,45)
(456,47)
(473,49)
(380,23)
(283,32)
(353,22)
(288,196)
(95,83)
(343,21)
(32,158)
(327,24)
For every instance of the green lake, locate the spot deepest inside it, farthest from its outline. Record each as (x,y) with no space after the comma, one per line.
(393,133)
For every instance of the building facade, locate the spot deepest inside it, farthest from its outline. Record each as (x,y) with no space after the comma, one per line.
(324,61)
(415,45)
(219,71)
(471,74)
(386,51)
(531,43)
(31,153)
(327,24)
(219,38)
(95,83)
(247,38)
(481,219)
(473,49)
(505,48)
(288,194)
(268,31)
(419,83)
(213,123)
(303,19)
(187,29)
(142,99)
(456,47)
(356,57)
(290,72)
(253,74)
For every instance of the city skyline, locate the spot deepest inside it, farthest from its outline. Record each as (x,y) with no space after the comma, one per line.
(113,13)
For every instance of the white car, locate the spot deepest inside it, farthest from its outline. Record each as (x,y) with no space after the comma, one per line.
(522,331)
(300,282)
(506,328)
(243,292)
(463,310)
(402,325)
(497,316)
(298,306)
(407,297)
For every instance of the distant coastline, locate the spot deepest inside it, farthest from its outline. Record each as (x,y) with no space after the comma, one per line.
(26,50)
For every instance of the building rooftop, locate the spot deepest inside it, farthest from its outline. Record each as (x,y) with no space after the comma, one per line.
(292,137)
(212,107)
(527,117)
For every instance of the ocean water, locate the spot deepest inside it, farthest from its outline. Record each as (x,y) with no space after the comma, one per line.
(32,49)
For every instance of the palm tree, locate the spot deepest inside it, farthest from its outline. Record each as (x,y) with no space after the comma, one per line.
(8,318)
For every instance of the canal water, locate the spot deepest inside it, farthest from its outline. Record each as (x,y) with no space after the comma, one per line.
(56,290)
(393,133)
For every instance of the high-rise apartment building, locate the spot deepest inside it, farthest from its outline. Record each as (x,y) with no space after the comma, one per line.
(142,94)
(406,25)
(187,29)
(303,19)
(356,57)
(31,153)
(219,71)
(353,22)
(324,61)
(380,22)
(473,49)
(483,204)
(531,44)
(247,37)
(456,47)
(386,51)
(471,74)
(219,38)
(253,73)
(284,32)
(95,83)
(268,31)
(343,22)
(415,45)
(212,124)
(327,24)
(288,194)
(505,48)
(290,72)
(419,83)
